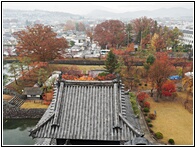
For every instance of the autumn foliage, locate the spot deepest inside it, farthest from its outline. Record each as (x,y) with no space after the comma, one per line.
(88,78)
(160,70)
(39,43)
(168,88)
(147,104)
(142,96)
(106,77)
(110,33)
(126,51)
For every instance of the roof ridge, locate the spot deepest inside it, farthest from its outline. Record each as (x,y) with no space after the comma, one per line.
(93,81)
(38,126)
(135,130)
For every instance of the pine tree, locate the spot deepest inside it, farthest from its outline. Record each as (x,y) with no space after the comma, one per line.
(111,63)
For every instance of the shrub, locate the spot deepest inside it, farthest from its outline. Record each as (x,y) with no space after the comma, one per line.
(141,96)
(171,141)
(151,131)
(152,116)
(146,109)
(102,77)
(148,120)
(103,74)
(133,101)
(132,94)
(145,114)
(159,135)
(150,125)
(134,104)
(147,104)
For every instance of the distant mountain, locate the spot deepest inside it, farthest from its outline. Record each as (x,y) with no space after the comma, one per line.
(32,15)
(169,12)
(52,16)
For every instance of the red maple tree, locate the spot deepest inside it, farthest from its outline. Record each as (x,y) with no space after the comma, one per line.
(168,88)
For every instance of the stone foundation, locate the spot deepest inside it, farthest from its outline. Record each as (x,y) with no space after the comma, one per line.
(13,112)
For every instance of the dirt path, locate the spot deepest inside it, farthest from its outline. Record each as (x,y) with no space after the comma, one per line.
(7,97)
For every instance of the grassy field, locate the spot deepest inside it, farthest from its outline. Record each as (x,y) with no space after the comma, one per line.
(83,68)
(173,121)
(31,105)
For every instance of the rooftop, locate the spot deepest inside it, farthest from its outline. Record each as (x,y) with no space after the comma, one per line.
(89,110)
(32,91)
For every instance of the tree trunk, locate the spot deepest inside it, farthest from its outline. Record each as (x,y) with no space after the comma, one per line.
(15,80)
(158,95)
(156,99)
(151,92)
(15,77)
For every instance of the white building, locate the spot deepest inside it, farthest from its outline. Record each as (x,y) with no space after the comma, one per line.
(188,38)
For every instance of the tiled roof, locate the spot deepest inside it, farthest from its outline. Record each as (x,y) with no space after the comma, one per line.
(32,91)
(187,31)
(88,110)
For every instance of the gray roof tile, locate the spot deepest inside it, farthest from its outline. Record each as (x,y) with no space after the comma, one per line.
(93,110)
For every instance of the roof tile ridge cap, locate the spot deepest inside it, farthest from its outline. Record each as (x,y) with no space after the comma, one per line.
(42,123)
(137,131)
(58,103)
(93,81)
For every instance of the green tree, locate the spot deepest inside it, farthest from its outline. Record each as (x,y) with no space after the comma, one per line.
(150,59)
(24,61)
(111,63)
(5,79)
(175,37)
(128,32)
(42,74)
(72,43)
(14,71)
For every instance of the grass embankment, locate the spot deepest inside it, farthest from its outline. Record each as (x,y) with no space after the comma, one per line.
(173,121)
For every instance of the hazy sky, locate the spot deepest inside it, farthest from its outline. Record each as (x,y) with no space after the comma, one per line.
(86,7)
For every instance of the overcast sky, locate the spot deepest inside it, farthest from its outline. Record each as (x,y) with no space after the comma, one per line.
(86,7)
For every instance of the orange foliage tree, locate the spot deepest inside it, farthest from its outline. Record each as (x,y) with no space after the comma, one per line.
(160,70)
(143,28)
(39,43)
(111,33)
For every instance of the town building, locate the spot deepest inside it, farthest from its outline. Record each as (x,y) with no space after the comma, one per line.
(188,38)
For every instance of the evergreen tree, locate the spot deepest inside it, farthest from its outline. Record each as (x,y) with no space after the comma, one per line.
(111,63)
(150,59)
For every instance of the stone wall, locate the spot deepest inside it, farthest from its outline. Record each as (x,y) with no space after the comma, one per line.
(13,112)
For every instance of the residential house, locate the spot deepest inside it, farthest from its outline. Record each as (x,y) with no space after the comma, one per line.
(33,92)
